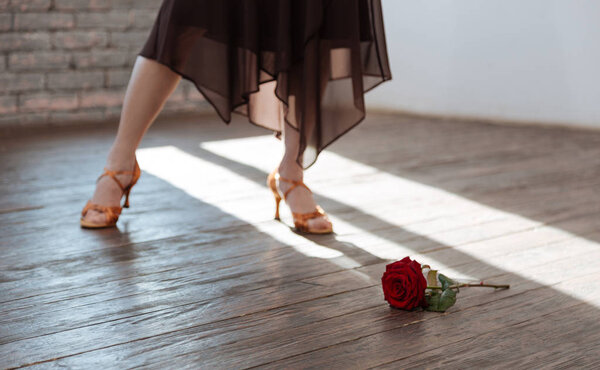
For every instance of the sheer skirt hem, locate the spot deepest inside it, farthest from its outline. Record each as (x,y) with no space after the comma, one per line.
(246,95)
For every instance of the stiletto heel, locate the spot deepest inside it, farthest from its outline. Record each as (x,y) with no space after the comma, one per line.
(300,219)
(277,200)
(111,213)
(271,182)
(126,205)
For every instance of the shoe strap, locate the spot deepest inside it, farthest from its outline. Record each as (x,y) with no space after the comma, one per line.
(303,217)
(111,213)
(295,183)
(113,174)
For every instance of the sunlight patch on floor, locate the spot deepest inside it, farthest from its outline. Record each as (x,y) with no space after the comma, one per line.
(189,173)
(507,242)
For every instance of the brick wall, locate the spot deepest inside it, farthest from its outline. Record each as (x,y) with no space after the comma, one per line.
(69,61)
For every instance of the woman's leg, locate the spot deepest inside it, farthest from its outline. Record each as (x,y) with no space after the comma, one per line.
(299,200)
(150,85)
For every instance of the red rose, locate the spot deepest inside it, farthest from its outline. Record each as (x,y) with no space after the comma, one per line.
(404,284)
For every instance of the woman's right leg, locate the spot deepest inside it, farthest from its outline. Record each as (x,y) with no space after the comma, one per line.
(150,85)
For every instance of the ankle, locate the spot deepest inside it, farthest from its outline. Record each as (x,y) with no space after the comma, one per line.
(291,170)
(120,160)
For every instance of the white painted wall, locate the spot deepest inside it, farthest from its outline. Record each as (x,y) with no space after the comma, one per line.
(517,60)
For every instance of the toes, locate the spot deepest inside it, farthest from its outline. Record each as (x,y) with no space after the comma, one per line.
(319,223)
(94,217)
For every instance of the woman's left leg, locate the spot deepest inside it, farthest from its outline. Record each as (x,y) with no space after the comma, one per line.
(300,200)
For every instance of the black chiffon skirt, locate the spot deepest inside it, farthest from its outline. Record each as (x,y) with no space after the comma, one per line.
(304,63)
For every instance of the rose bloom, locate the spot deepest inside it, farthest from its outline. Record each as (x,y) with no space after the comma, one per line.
(404,284)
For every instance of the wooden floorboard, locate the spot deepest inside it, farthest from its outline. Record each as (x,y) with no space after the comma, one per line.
(202,276)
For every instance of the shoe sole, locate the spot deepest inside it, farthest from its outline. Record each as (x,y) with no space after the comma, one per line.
(89,225)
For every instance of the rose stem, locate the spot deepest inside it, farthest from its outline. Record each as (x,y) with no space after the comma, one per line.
(472,285)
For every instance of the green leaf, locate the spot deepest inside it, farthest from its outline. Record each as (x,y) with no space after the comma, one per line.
(446,281)
(433,301)
(440,302)
(447,299)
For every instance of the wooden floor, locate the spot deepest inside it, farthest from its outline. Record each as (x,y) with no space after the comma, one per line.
(198,274)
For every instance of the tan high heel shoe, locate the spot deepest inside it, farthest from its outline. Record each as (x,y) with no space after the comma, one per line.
(300,219)
(112,213)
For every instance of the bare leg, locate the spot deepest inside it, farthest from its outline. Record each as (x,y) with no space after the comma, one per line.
(150,85)
(300,199)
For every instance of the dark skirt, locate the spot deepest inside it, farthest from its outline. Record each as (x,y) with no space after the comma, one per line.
(304,63)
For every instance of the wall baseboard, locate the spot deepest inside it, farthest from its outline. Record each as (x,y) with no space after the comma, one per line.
(485,120)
